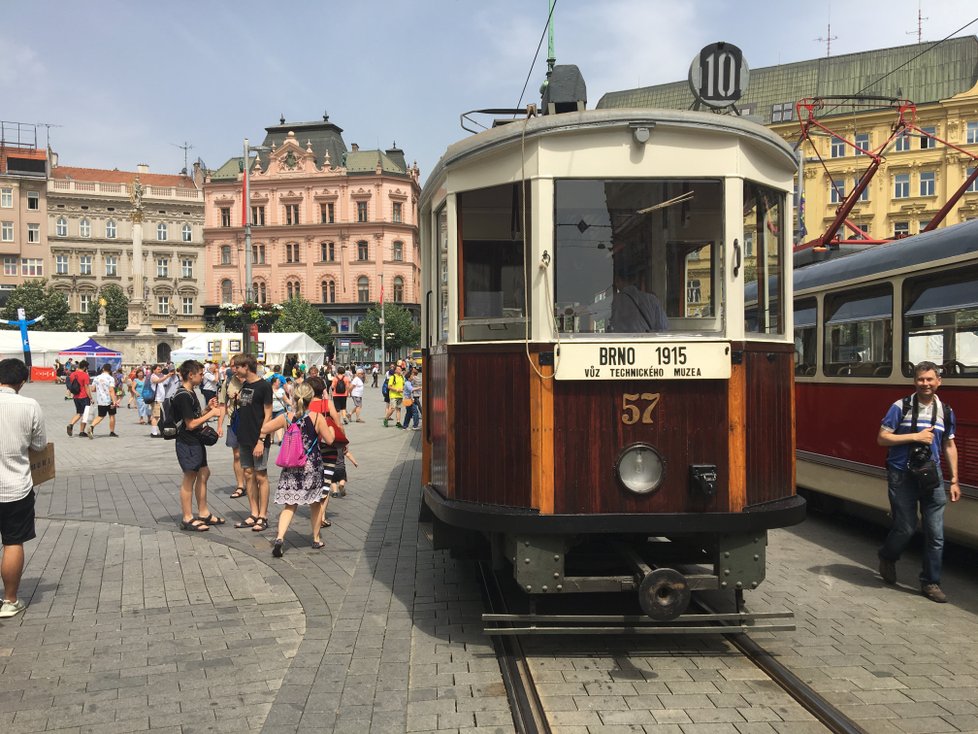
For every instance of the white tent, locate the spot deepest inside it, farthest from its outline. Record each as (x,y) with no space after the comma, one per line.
(277,346)
(45,345)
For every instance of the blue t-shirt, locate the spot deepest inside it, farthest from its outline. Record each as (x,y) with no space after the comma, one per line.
(899,423)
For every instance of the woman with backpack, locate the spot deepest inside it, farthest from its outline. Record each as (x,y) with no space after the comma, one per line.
(340,389)
(301,480)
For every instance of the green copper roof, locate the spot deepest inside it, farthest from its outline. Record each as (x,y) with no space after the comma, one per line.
(942,72)
(365,161)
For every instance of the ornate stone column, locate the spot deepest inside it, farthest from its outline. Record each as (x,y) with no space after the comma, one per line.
(138,315)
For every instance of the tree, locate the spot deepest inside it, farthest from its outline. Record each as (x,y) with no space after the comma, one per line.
(116,309)
(401,330)
(36,297)
(300,315)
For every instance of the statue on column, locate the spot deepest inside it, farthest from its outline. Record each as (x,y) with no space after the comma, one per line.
(136,198)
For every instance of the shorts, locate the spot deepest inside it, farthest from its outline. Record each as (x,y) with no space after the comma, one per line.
(357,401)
(248,459)
(339,402)
(208,394)
(397,402)
(191,456)
(156,410)
(81,404)
(104,410)
(232,439)
(17,520)
(339,474)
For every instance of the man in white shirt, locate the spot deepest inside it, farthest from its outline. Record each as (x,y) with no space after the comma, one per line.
(23,429)
(166,382)
(106,400)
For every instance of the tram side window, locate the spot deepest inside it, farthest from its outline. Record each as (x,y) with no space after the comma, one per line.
(637,256)
(764,271)
(806,337)
(491,260)
(442,255)
(940,322)
(859,333)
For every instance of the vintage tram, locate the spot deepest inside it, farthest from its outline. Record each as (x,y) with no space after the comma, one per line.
(861,323)
(594,386)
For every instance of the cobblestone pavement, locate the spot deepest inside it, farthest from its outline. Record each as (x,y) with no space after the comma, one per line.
(135,625)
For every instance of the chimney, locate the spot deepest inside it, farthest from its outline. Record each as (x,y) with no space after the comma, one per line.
(142,168)
(354,147)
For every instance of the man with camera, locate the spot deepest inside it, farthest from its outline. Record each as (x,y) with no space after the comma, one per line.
(914,430)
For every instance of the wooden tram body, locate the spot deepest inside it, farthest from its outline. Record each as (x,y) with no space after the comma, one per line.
(531,403)
(862,321)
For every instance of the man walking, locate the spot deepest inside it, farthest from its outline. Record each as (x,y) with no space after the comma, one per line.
(395,391)
(924,423)
(23,429)
(254,409)
(105,399)
(82,396)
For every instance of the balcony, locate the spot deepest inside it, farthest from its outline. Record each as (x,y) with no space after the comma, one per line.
(117,190)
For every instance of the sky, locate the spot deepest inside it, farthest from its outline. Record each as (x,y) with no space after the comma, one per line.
(127,82)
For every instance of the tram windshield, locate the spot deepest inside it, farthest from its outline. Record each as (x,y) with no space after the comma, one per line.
(637,256)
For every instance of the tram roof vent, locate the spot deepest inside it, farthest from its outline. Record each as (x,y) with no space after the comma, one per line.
(564,91)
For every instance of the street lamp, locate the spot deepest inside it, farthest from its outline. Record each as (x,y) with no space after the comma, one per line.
(248,296)
(383,336)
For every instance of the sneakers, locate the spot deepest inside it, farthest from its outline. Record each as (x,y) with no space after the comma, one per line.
(888,570)
(11,608)
(90,432)
(113,434)
(415,428)
(934,593)
(385,422)
(70,428)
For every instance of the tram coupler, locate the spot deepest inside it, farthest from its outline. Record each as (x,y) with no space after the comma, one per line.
(739,561)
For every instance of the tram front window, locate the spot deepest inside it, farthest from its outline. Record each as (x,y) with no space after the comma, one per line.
(763,226)
(637,256)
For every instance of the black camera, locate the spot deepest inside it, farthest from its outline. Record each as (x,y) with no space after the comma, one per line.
(920,454)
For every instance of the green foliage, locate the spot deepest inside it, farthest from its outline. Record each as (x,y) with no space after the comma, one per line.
(116,309)
(299,315)
(36,297)
(401,330)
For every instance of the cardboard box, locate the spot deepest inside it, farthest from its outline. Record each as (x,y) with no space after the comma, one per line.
(42,464)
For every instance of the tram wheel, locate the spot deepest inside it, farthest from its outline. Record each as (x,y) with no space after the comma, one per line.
(664,594)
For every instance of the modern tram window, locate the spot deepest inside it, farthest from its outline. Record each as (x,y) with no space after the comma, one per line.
(764,270)
(637,256)
(940,322)
(859,333)
(492,292)
(806,337)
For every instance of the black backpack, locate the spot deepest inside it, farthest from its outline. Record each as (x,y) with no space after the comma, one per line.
(73,385)
(170,427)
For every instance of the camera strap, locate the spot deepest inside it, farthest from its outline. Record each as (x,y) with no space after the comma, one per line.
(916,408)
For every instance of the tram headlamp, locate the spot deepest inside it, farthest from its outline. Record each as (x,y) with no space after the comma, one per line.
(640,469)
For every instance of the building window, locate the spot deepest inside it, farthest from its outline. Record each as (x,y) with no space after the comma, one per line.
(783,112)
(837,191)
(397,212)
(927,181)
(292,253)
(188,306)
(327,213)
(32,266)
(33,233)
(901,186)
(162,267)
(225,216)
(258,216)
(258,254)
(901,229)
(902,142)
(163,305)
(927,143)
(258,291)
(161,231)
(291,213)
(362,250)
(110,229)
(111,266)
(328,288)
(837,148)
(61,227)
(363,289)
(864,196)
(61,264)
(398,289)
(361,211)
(398,251)
(84,302)
(972,134)
(227,291)
(10,266)
(327,252)
(292,289)
(188,233)
(7,199)
(84,228)
(973,187)
(33,200)
(85,265)
(6,231)
(225,254)
(862,142)
(187,268)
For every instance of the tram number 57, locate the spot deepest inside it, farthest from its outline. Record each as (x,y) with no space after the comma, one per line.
(632,412)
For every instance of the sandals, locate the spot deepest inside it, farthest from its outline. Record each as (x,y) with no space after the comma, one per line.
(326,524)
(195,525)
(238,492)
(317,544)
(261,523)
(278,547)
(212,519)
(245,524)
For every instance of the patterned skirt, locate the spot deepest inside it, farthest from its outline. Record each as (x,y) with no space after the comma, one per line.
(301,485)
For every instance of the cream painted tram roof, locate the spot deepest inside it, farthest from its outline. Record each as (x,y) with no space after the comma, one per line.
(593,119)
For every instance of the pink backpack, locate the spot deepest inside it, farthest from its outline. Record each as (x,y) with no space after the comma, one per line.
(292,454)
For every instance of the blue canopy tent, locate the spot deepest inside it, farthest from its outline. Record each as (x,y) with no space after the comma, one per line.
(95,353)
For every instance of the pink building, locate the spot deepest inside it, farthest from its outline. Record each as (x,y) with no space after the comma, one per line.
(328,223)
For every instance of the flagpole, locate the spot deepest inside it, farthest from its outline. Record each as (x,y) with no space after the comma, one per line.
(383,335)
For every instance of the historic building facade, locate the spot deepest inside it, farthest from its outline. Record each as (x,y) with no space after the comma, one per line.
(91,240)
(23,206)
(330,224)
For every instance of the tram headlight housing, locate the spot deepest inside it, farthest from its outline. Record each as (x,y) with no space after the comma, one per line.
(640,469)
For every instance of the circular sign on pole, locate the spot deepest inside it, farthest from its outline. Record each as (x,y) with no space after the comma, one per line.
(719,75)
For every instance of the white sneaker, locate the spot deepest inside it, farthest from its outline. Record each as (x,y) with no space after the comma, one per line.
(11,608)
